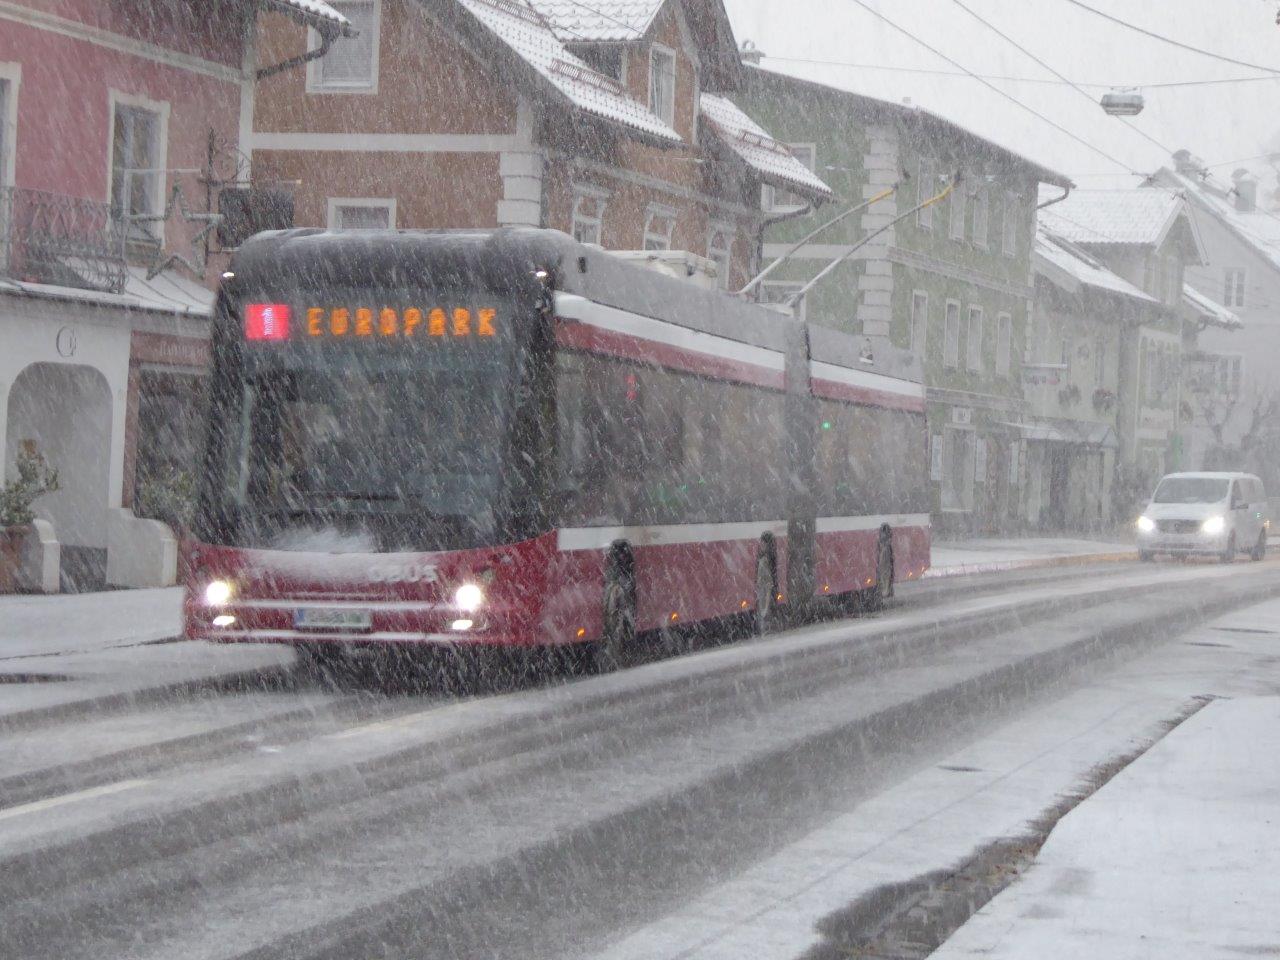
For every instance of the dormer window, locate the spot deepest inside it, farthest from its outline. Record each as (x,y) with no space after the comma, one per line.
(662,83)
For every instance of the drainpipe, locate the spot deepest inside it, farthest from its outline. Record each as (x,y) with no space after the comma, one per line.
(326,41)
(765,224)
(1066,192)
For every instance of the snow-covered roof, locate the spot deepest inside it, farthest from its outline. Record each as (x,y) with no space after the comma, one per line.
(168,292)
(1208,310)
(1055,256)
(315,13)
(599,21)
(1115,216)
(1257,228)
(530,35)
(761,152)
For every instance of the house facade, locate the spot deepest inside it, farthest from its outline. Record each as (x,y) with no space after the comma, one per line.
(951,282)
(1146,237)
(1238,387)
(1083,317)
(608,122)
(120,124)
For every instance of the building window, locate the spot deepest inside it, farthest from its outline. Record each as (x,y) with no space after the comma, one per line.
(928,187)
(778,291)
(137,164)
(1009,225)
(951,335)
(8,115)
(1004,343)
(659,223)
(980,216)
(1228,377)
(919,322)
(1233,287)
(1064,356)
(957,213)
(662,83)
(720,249)
(361,213)
(1100,364)
(958,465)
(588,214)
(352,62)
(973,341)
(778,200)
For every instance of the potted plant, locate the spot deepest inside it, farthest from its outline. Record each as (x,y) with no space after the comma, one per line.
(35,478)
(1103,400)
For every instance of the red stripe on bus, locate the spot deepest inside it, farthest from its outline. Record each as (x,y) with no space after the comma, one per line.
(584,336)
(832,390)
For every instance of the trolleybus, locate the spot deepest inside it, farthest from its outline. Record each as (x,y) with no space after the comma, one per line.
(509,438)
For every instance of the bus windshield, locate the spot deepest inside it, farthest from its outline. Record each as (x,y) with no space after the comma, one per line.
(362,446)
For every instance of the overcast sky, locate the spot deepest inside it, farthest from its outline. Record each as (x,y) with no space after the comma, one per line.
(1218,123)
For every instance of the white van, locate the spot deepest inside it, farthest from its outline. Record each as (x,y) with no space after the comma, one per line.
(1205,513)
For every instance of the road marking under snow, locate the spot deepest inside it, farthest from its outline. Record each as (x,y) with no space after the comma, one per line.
(94,792)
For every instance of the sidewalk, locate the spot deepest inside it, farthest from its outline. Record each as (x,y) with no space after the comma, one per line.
(965,557)
(79,652)
(1177,857)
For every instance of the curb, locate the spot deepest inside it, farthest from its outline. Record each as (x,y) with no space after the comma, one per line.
(998,566)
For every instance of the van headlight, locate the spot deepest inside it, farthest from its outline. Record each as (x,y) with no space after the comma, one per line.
(1214,525)
(1146,524)
(468,597)
(218,592)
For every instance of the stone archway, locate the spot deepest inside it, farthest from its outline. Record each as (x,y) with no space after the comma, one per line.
(66,411)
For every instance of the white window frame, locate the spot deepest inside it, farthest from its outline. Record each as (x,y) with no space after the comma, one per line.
(654,212)
(981,216)
(775,291)
(160,185)
(600,197)
(315,71)
(951,335)
(1004,343)
(1234,280)
(11,76)
(665,112)
(928,179)
(956,223)
(1100,364)
(336,203)
(972,344)
(1009,224)
(721,253)
(1066,350)
(775,199)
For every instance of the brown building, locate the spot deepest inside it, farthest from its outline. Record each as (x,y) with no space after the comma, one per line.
(609,122)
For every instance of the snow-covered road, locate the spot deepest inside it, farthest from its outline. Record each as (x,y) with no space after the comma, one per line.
(670,810)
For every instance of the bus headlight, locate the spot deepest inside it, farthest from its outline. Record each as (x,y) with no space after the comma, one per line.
(217,593)
(1214,525)
(468,598)
(1146,525)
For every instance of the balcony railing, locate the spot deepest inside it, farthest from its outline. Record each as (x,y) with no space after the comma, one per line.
(56,239)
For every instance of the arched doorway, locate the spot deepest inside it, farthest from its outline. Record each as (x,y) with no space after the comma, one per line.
(65,410)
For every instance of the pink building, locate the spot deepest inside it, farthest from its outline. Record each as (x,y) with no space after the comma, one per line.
(112,115)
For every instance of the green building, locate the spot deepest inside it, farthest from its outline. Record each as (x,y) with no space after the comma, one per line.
(952,281)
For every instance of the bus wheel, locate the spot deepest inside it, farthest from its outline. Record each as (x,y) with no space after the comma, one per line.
(883,588)
(766,595)
(619,621)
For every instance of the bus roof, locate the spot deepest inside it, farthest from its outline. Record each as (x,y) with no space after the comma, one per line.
(509,258)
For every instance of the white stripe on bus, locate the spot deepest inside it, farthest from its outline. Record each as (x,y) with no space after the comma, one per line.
(865,379)
(573,307)
(600,538)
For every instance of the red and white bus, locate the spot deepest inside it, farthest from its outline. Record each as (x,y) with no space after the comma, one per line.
(508,438)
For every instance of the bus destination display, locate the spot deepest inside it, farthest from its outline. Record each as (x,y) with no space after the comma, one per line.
(274,321)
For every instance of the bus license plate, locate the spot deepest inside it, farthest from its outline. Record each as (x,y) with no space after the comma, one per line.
(333,618)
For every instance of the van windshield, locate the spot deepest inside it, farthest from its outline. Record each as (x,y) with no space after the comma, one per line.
(1191,490)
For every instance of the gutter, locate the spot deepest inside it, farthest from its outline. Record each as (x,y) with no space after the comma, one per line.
(326,41)
(1066,192)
